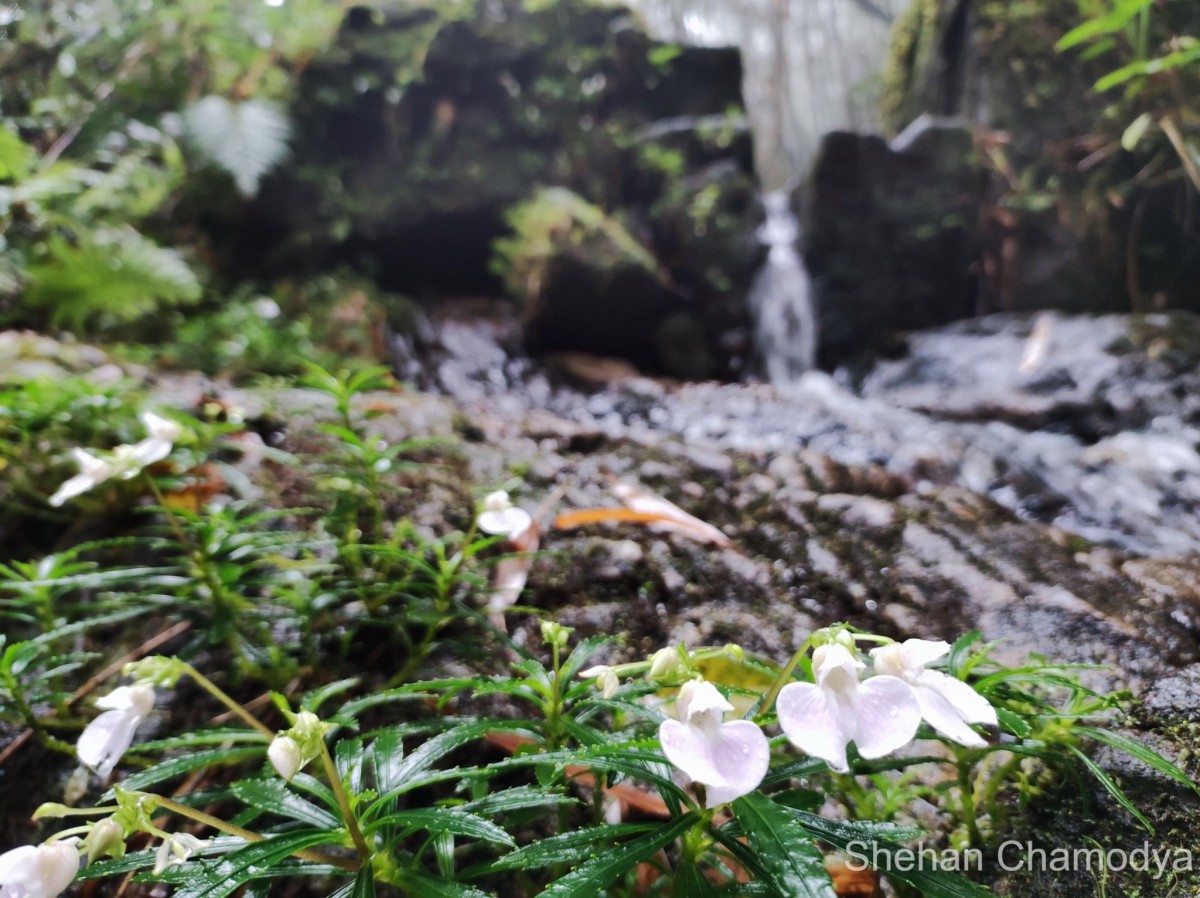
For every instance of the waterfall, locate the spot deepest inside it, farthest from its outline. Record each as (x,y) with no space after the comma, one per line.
(785,324)
(810,66)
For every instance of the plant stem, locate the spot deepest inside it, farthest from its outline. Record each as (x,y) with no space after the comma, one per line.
(339,792)
(308,854)
(17,693)
(784,677)
(967,797)
(224,698)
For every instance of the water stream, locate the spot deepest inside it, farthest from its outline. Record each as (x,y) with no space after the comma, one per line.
(785,324)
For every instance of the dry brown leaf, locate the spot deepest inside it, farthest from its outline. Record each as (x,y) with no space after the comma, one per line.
(671,517)
(645,508)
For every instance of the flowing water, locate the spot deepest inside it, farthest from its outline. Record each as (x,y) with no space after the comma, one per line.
(785,324)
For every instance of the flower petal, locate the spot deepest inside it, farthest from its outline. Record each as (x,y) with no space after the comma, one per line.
(105,739)
(920,652)
(58,864)
(148,451)
(943,717)
(742,754)
(835,668)
(76,486)
(95,468)
(688,748)
(509,522)
(16,865)
(161,428)
(970,705)
(698,698)
(139,699)
(887,716)
(813,723)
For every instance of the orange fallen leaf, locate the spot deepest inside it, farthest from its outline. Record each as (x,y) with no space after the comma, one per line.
(643,507)
(671,517)
(572,519)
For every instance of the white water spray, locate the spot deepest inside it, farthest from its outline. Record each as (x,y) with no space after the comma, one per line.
(785,324)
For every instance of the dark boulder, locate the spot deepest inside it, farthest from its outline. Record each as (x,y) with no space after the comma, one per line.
(419,131)
(891,234)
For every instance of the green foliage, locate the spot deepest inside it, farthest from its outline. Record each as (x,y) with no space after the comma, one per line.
(90,102)
(556,222)
(245,139)
(1158,69)
(114,274)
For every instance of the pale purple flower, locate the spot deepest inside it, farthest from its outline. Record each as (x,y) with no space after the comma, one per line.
(729,758)
(947,704)
(878,715)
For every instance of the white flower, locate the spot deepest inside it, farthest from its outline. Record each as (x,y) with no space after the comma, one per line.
(157,446)
(41,871)
(124,463)
(730,759)
(175,850)
(606,679)
(108,736)
(92,472)
(285,756)
(878,715)
(947,704)
(501,518)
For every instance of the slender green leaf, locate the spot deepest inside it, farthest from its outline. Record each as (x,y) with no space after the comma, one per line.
(174,767)
(593,876)
(434,887)
(1135,749)
(272,796)
(348,758)
(858,838)
(451,820)
(567,848)
(224,876)
(364,883)
(1110,785)
(785,849)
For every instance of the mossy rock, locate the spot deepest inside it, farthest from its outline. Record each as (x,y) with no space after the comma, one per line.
(585,283)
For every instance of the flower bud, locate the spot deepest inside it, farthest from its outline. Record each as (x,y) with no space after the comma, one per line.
(285,756)
(175,851)
(106,838)
(664,664)
(51,809)
(555,634)
(606,679)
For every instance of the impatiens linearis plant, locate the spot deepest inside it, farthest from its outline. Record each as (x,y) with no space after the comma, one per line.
(696,771)
(694,766)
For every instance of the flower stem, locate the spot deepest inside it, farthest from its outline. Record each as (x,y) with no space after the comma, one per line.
(967,797)
(339,792)
(783,679)
(224,698)
(308,854)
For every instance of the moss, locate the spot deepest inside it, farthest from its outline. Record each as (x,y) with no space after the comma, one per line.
(554,222)
(912,50)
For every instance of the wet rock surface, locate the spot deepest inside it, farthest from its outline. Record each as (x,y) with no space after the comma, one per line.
(852,498)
